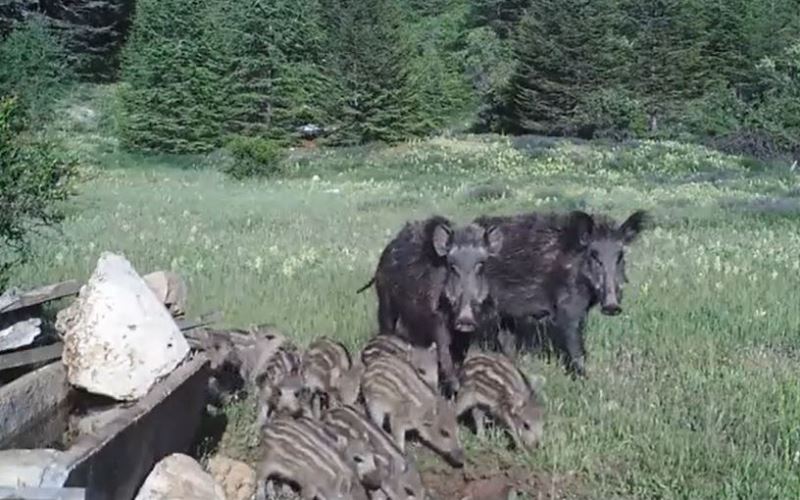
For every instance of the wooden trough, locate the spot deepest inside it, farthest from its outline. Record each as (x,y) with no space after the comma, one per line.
(112,460)
(115,445)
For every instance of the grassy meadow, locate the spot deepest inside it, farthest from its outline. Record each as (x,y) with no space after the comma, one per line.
(692,392)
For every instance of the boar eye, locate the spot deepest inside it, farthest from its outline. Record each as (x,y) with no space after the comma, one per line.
(526,426)
(445,433)
(409,491)
(594,255)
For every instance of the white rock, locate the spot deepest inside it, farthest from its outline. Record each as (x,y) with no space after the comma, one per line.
(20,334)
(119,339)
(179,477)
(170,289)
(32,468)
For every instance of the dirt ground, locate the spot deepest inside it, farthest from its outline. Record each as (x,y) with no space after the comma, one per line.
(489,476)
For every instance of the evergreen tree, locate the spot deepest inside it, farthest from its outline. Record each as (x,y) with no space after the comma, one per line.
(564,50)
(175,78)
(93,30)
(668,66)
(371,64)
(33,67)
(279,77)
(437,66)
(502,16)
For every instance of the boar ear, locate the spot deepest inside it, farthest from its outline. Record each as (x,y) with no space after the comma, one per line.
(635,224)
(494,240)
(442,239)
(579,232)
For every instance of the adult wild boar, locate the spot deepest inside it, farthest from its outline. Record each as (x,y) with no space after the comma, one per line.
(431,286)
(553,269)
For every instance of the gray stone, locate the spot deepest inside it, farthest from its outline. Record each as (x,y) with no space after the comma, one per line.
(20,334)
(42,467)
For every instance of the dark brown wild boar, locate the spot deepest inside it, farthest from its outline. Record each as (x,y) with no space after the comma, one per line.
(553,269)
(430,280)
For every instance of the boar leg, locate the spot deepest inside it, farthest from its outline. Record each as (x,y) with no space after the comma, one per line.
(569,339)
(387,315)
(399,433)
(263,416)
(478,416)
(443,339)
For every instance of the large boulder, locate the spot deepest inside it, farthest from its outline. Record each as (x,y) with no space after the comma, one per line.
(119,339)
(178,477)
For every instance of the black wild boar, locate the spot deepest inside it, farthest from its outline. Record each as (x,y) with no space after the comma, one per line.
(553,269)
(431,284)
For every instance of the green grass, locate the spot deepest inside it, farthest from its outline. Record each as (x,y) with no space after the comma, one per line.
(693,391)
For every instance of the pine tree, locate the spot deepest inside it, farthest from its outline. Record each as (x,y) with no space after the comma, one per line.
(280,80)
(175,83)
(371,65)
(502,16)
(668,66)
(564,50)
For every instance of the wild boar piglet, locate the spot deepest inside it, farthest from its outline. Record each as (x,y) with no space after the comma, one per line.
(397,474)
(302,453)
(330,374)
(491,383)
(395,393)
(423,359)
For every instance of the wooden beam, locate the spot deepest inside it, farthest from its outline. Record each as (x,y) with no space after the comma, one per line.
(31,356)
(43,294)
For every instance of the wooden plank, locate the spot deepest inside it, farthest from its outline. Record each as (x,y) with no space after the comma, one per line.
(53,351)
(42,493)
(31,356)
(43,294)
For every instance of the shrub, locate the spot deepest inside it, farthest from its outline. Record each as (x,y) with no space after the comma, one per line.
(254,157)
(611,113)
(33,182)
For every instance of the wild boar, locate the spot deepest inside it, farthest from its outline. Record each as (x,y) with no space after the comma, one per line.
(553,269)
(430,278)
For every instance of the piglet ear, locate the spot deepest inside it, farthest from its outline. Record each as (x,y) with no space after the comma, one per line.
(442,239)
(494,240)
(579,230)
(635,224)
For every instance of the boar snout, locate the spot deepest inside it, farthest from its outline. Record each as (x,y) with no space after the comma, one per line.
(457,457)
(465,321)
(611,308)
